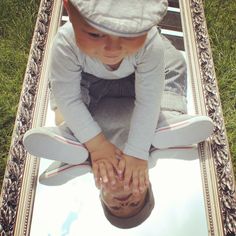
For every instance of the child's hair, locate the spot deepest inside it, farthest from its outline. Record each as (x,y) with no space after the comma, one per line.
(135,220)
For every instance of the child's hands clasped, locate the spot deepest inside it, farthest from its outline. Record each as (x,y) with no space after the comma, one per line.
(110,163)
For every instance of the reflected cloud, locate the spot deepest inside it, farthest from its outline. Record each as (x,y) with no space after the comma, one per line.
(71,218)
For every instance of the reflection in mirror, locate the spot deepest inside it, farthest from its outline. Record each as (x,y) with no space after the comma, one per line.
(74,208)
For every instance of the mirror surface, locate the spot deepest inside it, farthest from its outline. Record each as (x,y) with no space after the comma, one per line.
(75,209)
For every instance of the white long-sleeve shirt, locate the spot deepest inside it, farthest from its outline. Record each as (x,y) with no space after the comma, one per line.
(68,61)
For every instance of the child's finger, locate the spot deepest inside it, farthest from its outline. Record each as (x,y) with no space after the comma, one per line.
(111,174)
(147,182)
(103,172)
(127,178)
(96,175)
(121,168)
(142,181)
(135,182)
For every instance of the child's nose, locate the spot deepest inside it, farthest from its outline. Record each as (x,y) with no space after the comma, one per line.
(112,43)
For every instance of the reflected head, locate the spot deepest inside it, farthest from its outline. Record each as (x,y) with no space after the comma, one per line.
(124,209)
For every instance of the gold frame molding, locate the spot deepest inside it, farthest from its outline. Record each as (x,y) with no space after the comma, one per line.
(17,197)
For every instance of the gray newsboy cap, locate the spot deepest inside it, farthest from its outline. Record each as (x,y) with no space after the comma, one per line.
(127,18)
(132,221)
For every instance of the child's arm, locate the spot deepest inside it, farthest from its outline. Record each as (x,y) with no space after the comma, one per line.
(149,86)
(135,172)
(104,157)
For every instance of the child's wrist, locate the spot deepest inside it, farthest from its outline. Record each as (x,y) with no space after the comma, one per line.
(94,143)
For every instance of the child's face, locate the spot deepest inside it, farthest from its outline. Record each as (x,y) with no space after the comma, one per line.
(122,203)
(109,49)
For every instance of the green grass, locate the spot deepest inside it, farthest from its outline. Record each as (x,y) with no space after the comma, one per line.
(221,21)
(17,20)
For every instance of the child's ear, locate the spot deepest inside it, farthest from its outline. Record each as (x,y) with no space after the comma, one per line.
(67,7)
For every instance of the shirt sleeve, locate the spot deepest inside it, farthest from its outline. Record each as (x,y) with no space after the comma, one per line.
(65,76)
(149,86)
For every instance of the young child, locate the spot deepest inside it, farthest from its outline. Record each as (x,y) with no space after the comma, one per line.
(114,49)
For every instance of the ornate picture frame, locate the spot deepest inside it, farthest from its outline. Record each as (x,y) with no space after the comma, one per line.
(17,198)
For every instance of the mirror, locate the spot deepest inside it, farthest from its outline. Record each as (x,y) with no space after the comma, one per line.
(193,187)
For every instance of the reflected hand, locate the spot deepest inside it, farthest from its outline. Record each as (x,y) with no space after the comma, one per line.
(104,163)
(134,171)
